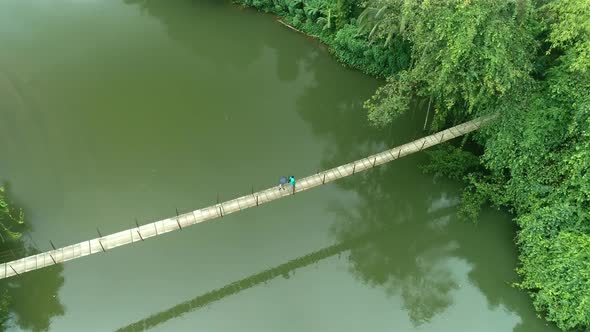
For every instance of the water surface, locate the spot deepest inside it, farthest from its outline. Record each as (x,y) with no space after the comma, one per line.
(112,111)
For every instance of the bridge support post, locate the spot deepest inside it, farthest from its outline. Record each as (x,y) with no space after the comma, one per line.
(391,154)
(374,161)
(100,242)
(53,259)
(442,135)
(178,221)
(138,232)
(324,179)
(14,270)
(423,143)
(353,168)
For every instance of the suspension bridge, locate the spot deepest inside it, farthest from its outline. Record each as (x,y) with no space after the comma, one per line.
(180,221)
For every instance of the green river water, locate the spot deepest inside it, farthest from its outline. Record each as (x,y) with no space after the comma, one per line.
(111,111)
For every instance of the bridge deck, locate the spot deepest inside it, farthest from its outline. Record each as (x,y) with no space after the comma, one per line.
(160,227)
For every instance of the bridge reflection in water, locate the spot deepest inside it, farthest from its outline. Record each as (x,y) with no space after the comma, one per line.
(243,284)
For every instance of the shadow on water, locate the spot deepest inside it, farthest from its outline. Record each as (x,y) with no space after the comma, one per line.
(31,298)
(237,286)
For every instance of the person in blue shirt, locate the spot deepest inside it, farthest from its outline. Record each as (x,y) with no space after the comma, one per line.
(292,181)
(282,182)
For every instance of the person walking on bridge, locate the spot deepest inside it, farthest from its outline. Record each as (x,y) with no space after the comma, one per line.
(282,182)
(292,181)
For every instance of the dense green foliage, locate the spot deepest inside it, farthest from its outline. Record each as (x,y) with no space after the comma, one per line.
(464,55)
(538,158)
(527,61)
(11,221)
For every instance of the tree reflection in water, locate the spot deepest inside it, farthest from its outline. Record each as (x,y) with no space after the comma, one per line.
(34,298)
(416,258)
(31,298)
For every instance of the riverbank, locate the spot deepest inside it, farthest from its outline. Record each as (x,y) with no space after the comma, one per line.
(336,27)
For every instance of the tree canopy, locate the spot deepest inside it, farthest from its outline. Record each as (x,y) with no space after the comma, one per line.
(464,55)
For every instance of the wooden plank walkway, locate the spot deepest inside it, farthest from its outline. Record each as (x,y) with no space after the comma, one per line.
(143,232)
